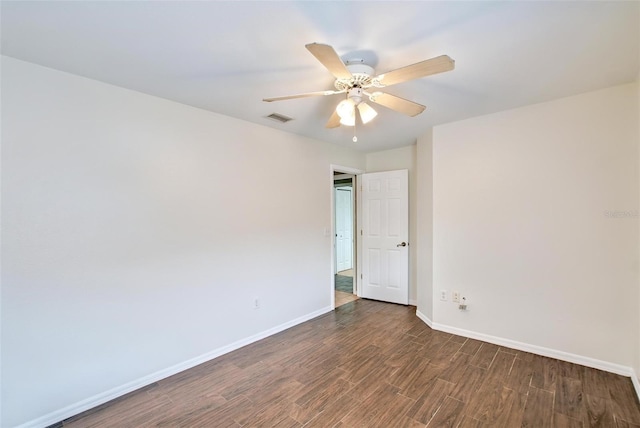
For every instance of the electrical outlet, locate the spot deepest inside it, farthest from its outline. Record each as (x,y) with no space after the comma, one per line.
(443,295)
(455,297)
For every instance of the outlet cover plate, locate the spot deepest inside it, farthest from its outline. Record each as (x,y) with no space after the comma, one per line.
(455,297)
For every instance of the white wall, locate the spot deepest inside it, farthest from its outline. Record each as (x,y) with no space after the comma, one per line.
(637,359)
(395,159)
(520,203)
(137,231)
(424,195)
(1,304)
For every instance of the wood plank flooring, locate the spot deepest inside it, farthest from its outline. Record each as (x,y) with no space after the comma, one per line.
(342,298)
(373,364)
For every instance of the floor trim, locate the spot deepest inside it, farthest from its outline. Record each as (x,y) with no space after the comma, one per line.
(636,383)
(424,318)
(539,350)
(98,399)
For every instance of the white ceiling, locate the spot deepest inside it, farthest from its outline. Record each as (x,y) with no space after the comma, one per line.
(226,56)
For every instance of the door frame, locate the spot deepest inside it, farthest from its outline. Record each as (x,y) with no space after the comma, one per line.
(356,193)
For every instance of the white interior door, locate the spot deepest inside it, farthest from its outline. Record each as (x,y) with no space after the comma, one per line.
(344,229)
(385,236)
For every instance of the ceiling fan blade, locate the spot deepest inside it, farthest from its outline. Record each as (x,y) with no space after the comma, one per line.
(334,120)
(330,59)
(308,94)
(428,67)
(396,103)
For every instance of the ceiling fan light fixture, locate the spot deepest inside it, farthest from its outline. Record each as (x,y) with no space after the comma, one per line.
(348,121)
(367,113)
(345,109)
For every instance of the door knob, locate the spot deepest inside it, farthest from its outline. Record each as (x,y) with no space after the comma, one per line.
(402,244)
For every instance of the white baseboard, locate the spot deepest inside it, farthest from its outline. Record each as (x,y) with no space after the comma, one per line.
(636,383)
(96,400)
(539,350)
(424,318)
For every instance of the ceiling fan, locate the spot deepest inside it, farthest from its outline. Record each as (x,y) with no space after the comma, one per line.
(355,79)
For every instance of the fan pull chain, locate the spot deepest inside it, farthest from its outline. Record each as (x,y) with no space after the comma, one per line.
(355,139)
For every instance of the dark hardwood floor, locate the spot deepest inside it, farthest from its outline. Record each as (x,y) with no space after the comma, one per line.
(372,364)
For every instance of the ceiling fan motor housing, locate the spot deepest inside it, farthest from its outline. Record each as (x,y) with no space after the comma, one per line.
(361,77)
(355,94)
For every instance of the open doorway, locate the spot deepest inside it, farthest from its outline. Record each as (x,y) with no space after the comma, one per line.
(344,198)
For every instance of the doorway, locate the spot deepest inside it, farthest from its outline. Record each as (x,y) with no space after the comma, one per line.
(344,216)
(380,210)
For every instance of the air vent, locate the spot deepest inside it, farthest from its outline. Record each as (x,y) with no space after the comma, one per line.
(279,117)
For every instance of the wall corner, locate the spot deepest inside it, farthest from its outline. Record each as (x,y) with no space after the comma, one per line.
(424,197)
